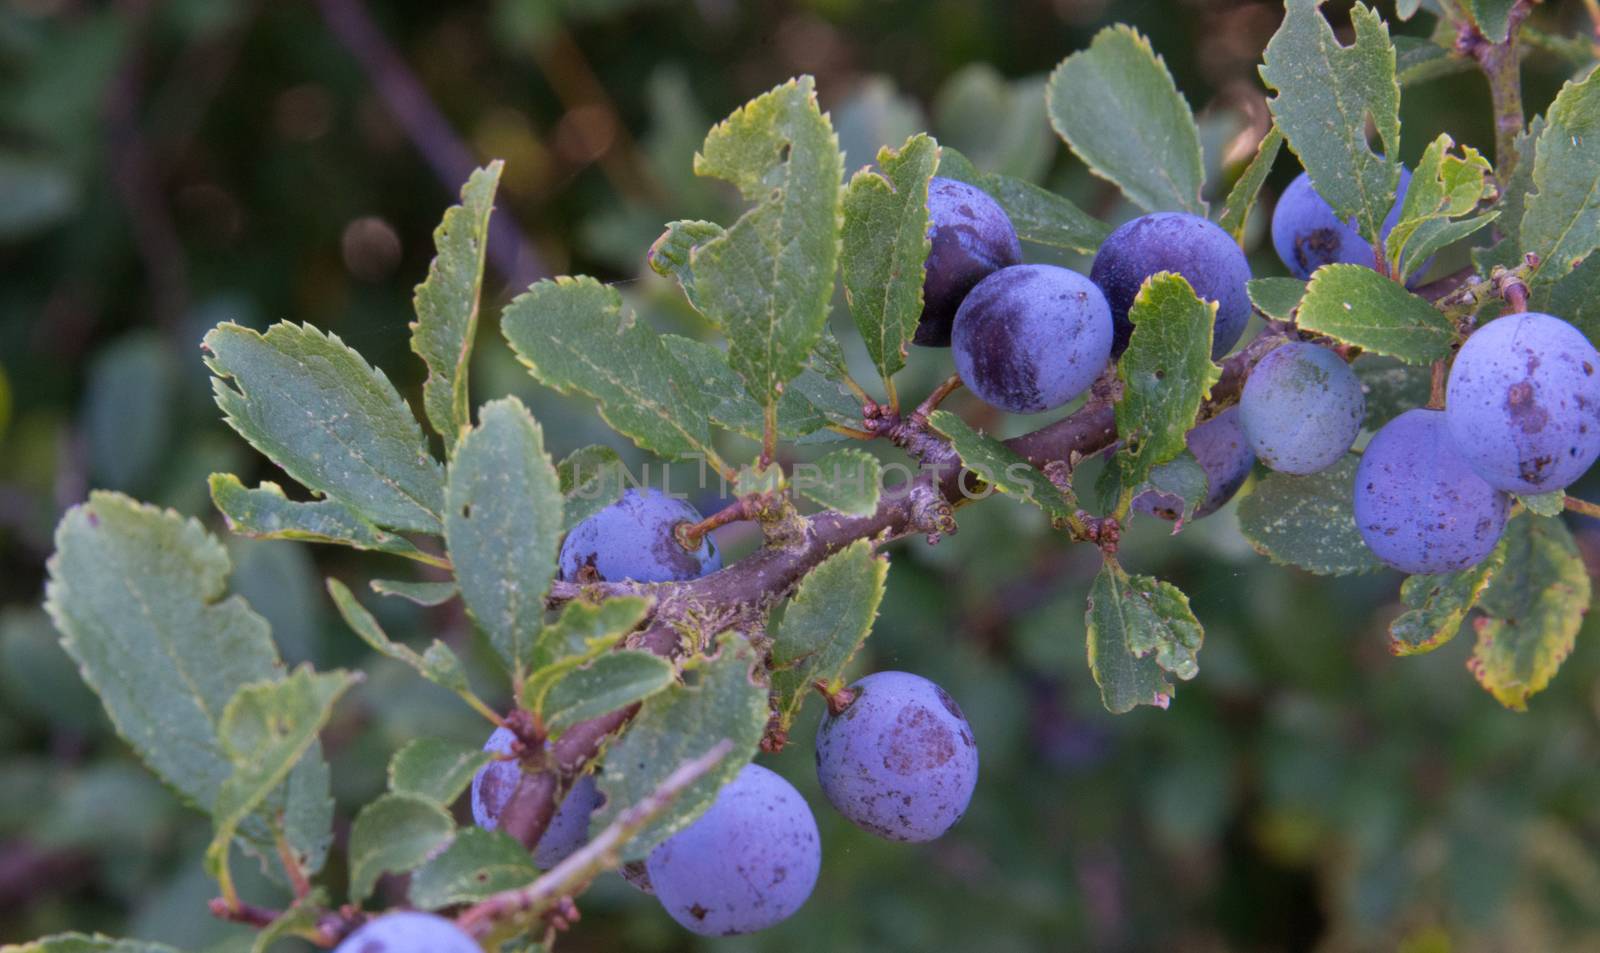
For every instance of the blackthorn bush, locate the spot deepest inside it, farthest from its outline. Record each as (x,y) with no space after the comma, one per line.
(1029,338)
(1523,403)
(971,239)
(899,759)
(1205,255)
(747,863)
(408,931)
(633,539)
(1307,234)
(1223,452)
(1302,408)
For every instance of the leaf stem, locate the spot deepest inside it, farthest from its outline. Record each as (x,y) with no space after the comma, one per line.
(689,535)
(930,404)
(769,433)
(852,432)
(291,865)
(1441,377)
(1583,507)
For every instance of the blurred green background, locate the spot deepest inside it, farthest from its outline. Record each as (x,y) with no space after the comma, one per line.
(168,165)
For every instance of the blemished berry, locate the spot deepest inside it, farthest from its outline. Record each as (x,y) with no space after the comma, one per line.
(747,863)
(1523,403)
(899,761)
(1418,504)
(1206,256)
(409,931)
(633,539)
(568,829)
(971,239)
(1030,338)
(1307,234)
(1302,408)
(1222,451)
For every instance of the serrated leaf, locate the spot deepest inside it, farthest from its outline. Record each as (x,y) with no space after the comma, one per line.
(574,336)
(1575,297)
(767,280)
(266,729)
(1116,105)
(1276,297)
(438,664)
(670,256)
(1038,215)
(435,769)
(724,701)
(85,943)
(138,595)
(592,478)
(581,632)
(1493,17)
(824,625)
(1141,633)
(1326,95)
(1356,305)
(612,681)
(731,407)
(394,834)
(1534,607)
(1308,521)
(1444,187)
(477,864)
(332,421)
(447,305)
(503,526)
(422,593)
(1242,197)
(886,243)
(1003,468)
(265,513)
(1561,221)
(1436,606)
(1166,373)
(845,480)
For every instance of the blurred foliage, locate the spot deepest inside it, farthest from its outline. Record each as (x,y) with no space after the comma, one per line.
(168,165)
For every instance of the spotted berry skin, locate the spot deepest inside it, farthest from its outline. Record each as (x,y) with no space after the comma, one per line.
(568,829)
(747,863)
(1523,403)
(900,760)
(408,931)
(1030,338)
(1307,233)
(1222,451)
(1418,504)
(1302,408)
(633,539)
(1206,256)
(971,238)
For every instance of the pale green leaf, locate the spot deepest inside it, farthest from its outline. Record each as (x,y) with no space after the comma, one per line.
(477,864)
(1561,223)
(1003,468)
(503,526)
(1276,297)
(1444,187)
(670,256)
(265,513)
(886,242)
(846,480)
(1141,634)
(1575,297)
(1116,105)
(1308,521)
(1436,605)
(824,625)
(435,769)
(1553,503)
(422,593)
(438,664)
(447,305)
(394,834)
(612,681)
(580,633)
(1356,305)
(1493,17)
(1242,197)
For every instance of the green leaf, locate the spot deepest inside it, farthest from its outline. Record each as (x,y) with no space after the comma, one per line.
(266,729)
(1276,297)
(767,280)
(1420,60)
(265,513)
(477,864)
(332,421)
(503,527)
(1116,105)
(592,478)
(1561,223)
(1003,468)
(886,242)
(438,664)
(582,632)
(574,336)
(84,943)
(435,769)
(1444,187)
(824,625)
(1308,521)
(732,408)
(1326,96)
(1181,479)
(447,305)
(998,121)
(671,255)
(394,834)
(845,480)
(1493,17)
(1242,197)
(1436,606)
(1575,296)
(1141,633)
(1038,215)
(1513,205)
(1391,387)
(422,593)
(612,681)
(1356,305)
(1166,373)
(1534,606)
(724,701)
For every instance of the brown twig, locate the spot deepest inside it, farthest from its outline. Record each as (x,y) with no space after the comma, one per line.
(1501,64)
(1583,507)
